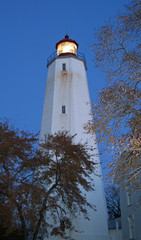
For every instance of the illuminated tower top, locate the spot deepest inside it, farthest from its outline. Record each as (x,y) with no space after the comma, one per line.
(66,47)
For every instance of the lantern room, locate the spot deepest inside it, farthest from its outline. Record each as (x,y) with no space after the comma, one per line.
(66,47)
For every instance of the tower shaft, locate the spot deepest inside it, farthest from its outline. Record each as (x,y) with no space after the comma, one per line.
(67,107)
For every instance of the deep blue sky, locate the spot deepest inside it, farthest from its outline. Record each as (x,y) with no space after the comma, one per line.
(29,30)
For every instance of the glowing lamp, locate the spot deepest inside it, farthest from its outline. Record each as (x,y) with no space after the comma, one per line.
(67,47)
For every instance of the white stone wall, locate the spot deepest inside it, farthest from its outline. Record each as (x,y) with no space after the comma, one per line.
(69,88)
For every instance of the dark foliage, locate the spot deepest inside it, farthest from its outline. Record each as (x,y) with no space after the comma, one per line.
(40,187)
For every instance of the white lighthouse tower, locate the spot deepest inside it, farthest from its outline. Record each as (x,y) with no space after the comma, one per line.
(67,107)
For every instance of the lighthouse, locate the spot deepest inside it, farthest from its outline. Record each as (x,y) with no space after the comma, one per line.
(67,107)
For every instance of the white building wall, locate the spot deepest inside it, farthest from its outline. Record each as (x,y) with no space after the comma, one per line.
(130,209)
(69,88)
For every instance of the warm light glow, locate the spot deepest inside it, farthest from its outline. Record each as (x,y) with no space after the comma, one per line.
(67,47)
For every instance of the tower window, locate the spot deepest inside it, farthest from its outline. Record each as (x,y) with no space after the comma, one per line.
(63,109)
(64,66)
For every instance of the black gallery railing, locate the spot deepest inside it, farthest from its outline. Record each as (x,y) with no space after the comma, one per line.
(54,55)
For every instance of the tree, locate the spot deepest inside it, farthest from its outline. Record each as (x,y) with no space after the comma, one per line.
(40,187)
(14,235)
(113,201)
(116,115)
(66,170)
(17,153)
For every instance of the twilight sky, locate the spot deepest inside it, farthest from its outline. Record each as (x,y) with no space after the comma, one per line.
(29,30)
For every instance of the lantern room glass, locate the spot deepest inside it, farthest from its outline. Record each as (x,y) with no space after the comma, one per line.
(66,47)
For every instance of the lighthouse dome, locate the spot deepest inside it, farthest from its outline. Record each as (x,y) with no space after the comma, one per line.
(66,46)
